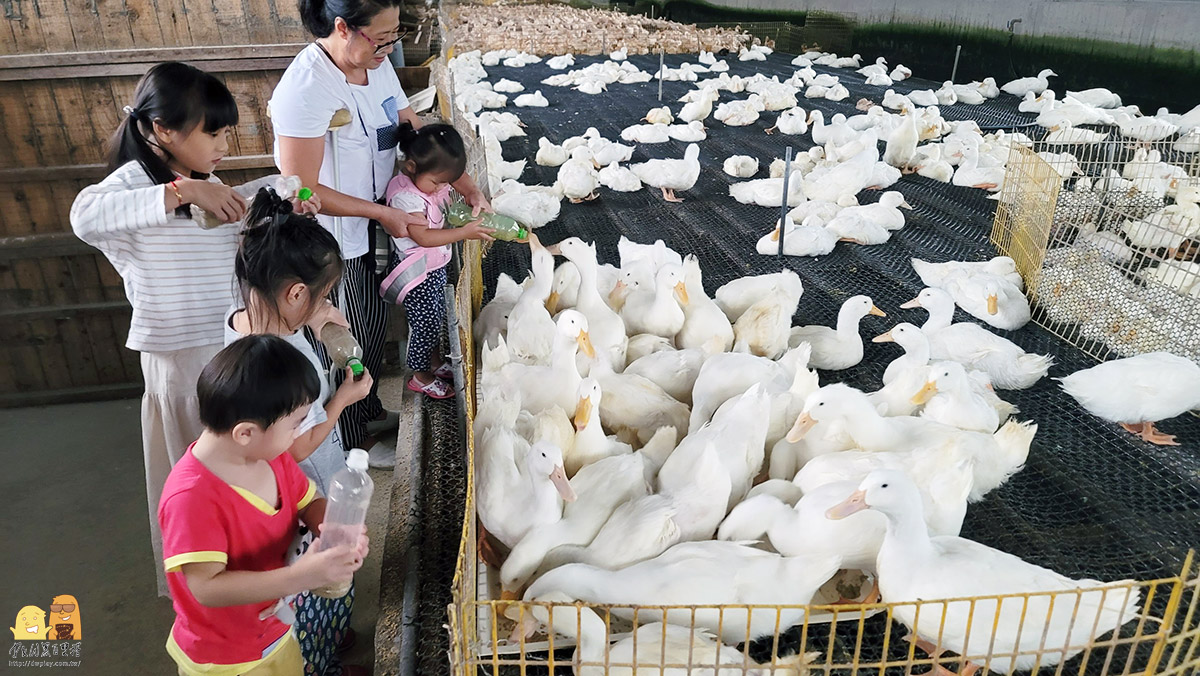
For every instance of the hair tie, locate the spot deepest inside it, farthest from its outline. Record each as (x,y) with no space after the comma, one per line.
(130,111)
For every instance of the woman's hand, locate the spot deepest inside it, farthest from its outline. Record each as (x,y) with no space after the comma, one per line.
(478,202)
(475,230)
(215,198)
(395,221)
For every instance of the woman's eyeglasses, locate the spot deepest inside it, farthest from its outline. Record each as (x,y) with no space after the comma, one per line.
(380,46)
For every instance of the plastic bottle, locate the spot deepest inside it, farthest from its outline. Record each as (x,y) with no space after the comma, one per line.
(508,229)
(285,186)
(349,498)
(343,349)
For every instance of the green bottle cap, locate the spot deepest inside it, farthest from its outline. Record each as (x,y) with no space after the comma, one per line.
(522,233)
(305,194)
(356,366)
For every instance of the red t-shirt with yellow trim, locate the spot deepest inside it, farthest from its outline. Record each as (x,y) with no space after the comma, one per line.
(205,519)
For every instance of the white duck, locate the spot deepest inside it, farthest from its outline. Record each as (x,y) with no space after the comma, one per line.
(706,574)
(809,238)
(990,298)
(992,458)
(692,132)
(531,208)
(651,646)
(1138,391)
(606,152)
(971,175)
(936,274)
(514,497)
(530,328)
(618,178)
(791,122)
(763,328)
(600,488)
(577,177)
(543,387)
(740,166)
(840,348)
(736,296)
(880,67)
(768,192)
(492,321)
(1023,85)
(658,310)
(634,406)
(949,399)
(606,329)
(895,101)
(1048,619)
(902,143)
(699,109)
(534,100)
(564,292)
(988,87)
(703,320)
(671,175)
(659,116)
(1170,226)
(591,444)
(1007,365)
(885,213)
(674,370)
(646,133)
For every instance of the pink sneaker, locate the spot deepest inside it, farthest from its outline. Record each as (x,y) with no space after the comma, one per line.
(438,389)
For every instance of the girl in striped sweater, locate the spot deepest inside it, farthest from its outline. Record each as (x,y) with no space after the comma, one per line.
(178,276)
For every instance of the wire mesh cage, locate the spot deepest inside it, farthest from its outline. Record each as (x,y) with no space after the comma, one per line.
(1105,234)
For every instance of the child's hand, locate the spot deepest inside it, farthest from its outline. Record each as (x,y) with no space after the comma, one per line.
(312,205)
(475,230)
(325,314)
(328,568)
(217,199)
(351,390)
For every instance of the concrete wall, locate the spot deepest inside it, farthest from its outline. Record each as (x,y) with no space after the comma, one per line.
(1157,23)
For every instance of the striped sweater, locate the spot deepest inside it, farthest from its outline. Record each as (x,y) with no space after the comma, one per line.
(178,277)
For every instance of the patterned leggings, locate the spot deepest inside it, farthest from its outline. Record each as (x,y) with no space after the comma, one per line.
(321,624)
(425,307)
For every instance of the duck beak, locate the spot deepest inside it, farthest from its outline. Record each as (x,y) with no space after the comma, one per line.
(681,293)
(877,312)
(804,423)
(552,302)
(583,413)
(584,341)
(906,205)
(925,394)
(524,628)
(916,302)
(554,249)
(884,338)
(857,502)
(775,235)
(508,595)
(558,477)
(992,303)
(615,294)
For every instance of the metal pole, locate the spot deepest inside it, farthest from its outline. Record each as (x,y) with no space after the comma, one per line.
(661,55)
(954,71)
(783,209)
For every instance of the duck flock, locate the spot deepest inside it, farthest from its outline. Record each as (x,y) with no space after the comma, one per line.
(644,439)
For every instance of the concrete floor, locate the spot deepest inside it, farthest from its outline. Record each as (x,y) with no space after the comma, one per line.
(78,524)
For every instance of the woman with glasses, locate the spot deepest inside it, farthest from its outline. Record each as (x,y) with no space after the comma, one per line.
(346,67)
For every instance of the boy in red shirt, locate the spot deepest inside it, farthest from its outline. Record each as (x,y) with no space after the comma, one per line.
(229,512)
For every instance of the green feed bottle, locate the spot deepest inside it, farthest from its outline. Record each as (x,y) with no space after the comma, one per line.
(458,214)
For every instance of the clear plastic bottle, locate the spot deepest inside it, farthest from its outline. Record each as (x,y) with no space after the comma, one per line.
(343,349)
(348,501)
(458,214)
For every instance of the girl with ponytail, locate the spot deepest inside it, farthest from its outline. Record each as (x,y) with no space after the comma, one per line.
(288,267)
(178,277)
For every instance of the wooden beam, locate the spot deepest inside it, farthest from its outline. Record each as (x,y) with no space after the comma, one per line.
(97,171)
(232,65)
(146,56)
(63,311)
(46,245)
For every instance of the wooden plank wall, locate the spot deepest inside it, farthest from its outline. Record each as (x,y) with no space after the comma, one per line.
(63,313)
(39,26)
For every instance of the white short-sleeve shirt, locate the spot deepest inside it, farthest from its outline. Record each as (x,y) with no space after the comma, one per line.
(311,90)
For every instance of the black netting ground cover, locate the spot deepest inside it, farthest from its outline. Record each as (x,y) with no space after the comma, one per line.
(1092,501)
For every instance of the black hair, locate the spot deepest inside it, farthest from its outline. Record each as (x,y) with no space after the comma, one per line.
(318,15)
(280,248)
(259,379)
(433,148)
(179,97)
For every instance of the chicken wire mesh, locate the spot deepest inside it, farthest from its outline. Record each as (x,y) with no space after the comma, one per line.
(1105,237)
(1090,502)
